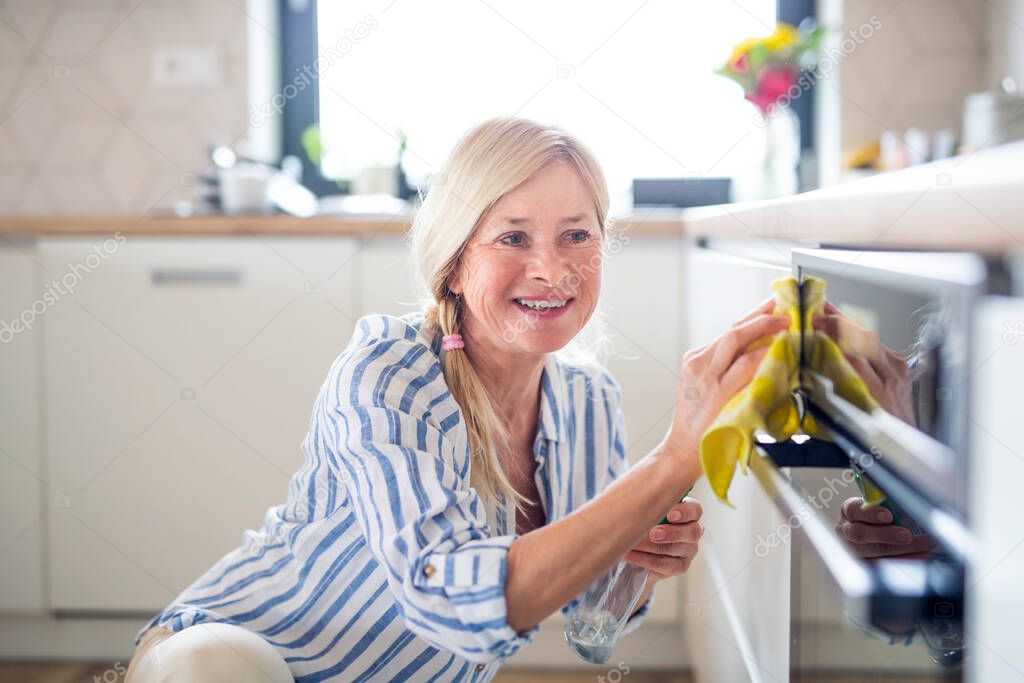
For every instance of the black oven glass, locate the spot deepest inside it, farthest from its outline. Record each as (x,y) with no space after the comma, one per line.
(918,326)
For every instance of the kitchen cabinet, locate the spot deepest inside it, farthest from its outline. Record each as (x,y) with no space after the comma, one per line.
(179,377)
(997,468)
(736,615)
(24,494)
(642,302)
(383,276)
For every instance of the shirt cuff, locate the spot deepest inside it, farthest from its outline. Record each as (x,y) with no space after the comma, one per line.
(471,579)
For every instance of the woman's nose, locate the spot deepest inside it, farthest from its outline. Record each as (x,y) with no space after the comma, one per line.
(547,264)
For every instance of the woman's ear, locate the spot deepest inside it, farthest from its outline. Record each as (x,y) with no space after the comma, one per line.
(455,285)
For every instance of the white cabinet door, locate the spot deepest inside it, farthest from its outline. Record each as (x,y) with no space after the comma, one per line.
(641,295)
(384,276)
(995,594)
(736,617)
(23,488)
(180,374)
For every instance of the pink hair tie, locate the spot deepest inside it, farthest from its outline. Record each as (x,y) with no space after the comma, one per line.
(452,341)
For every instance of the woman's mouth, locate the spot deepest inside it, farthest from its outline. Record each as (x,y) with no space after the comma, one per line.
(543,308)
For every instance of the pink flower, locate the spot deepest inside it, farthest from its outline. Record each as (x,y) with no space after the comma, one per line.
(772,83)
(741,64)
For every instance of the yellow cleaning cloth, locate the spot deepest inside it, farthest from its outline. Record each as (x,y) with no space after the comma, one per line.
(767,404)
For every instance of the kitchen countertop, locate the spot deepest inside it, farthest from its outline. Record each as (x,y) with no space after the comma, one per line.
(973,202)
(646,223)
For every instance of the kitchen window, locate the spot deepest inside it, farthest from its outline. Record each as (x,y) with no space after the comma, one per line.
(635,81)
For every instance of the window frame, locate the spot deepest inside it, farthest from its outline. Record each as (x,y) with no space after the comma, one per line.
(298,50)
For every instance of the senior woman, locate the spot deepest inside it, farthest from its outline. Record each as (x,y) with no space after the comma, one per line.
(461,481)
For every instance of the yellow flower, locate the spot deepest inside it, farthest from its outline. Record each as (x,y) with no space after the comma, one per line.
(743,48)
(785,37)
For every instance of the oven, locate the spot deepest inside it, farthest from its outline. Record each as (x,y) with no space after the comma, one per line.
(869,612)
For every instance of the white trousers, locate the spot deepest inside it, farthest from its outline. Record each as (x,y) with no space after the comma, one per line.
(206,653)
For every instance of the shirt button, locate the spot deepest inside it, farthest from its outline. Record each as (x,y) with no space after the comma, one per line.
(428,571)
(480,667)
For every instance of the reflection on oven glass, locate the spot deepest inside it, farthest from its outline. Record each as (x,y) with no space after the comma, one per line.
(832,643)
(901,346)
(882,531)
(926,356)
(884,371)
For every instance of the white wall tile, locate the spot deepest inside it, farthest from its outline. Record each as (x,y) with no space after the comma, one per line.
(916,69)
(82,126)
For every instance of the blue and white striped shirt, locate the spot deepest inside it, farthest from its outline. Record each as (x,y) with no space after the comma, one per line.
(337,579)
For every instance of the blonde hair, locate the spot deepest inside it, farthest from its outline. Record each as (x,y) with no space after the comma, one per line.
(489,161)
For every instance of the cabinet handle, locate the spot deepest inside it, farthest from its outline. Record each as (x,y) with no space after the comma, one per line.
(162,277)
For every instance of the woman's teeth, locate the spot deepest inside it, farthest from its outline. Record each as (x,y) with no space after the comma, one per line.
(542,304)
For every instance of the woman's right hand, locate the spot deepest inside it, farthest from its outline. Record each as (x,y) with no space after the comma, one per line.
(712,374)
(870,534)
(884,372)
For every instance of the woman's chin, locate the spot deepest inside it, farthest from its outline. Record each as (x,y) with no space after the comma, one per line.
(546,341)
(529,333)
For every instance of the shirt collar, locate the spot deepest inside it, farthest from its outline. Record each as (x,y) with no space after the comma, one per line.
(553,415)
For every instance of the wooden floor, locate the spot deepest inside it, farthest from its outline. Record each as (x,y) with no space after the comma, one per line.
(541,676)
(36,672)
(64,672)
(48,672)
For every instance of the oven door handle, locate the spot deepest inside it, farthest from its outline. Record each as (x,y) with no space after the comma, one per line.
(886,590)
(907,450)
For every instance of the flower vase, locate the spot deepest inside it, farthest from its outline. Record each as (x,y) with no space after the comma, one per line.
(779,164)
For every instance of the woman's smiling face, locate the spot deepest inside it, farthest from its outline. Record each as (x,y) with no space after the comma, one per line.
(541,242)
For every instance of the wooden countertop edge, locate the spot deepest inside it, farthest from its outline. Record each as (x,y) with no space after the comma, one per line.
(278,225)
(220,224)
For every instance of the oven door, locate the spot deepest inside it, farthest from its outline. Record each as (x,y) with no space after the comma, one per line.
(868,610)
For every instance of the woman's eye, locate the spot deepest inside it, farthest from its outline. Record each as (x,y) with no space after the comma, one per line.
(516,239)
(579,236)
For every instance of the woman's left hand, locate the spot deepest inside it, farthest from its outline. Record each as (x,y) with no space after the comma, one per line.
(669,549)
